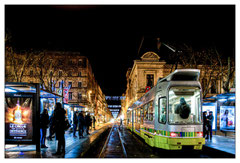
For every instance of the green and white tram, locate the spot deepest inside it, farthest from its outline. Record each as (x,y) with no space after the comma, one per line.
(169,115)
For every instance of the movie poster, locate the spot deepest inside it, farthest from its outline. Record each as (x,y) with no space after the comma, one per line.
(18,119)
(227,117)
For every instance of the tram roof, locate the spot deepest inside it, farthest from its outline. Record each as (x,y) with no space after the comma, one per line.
(182,75)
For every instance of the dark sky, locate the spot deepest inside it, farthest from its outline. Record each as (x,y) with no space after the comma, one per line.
(110,35)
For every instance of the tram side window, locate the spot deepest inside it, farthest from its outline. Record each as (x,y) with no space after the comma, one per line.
(145,108)
(131,116)
(150,111)
(142,115)
(135,115)
(139,118)
(162,109)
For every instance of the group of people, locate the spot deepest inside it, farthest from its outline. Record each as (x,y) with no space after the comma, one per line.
(58,124)
(207,125)
(83,123)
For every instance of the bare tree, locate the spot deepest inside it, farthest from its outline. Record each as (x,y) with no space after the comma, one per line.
(210,63)
(16,64)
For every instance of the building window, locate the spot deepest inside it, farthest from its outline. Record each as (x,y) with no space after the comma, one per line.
(213,86)
(51,73)
(70,62)
(70,96)
(150,80)
(60,73)
(80,62)
(60,62)
(79,96)
(80,74)
(31,72)
(79,84)
(70,83)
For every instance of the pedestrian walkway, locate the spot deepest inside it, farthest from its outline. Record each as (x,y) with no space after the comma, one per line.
(82,145)
(222,143)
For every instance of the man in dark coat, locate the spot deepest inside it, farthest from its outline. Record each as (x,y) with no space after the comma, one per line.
(88,122)
(80,124)
(204,124)
(209,125)
(75,123)
(183,109)
(59,123)
(44,121)
(94,121)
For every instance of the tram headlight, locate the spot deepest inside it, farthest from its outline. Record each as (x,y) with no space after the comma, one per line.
(200,134)
(173,134)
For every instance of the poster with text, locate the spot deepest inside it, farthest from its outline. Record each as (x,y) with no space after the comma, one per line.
(18,119)
(227,117)
(211,107)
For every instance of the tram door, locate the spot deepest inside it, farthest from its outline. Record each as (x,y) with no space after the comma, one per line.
(138,119)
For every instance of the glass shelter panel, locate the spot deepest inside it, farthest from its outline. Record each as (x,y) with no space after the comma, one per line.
(184,105)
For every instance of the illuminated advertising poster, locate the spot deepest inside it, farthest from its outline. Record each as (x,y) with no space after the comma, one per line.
(211,107)
(65,95)
(18,119)
(227,117)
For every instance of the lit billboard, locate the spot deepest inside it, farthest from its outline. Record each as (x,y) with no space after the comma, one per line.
(227,117)
(18,119)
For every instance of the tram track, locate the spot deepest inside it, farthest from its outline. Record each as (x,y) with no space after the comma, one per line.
(113,146)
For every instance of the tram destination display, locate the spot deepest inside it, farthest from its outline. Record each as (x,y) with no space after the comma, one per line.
(18,119)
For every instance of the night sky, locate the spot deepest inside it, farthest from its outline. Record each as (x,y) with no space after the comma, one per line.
(111,35)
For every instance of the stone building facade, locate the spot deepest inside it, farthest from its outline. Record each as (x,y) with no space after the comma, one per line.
(57,69)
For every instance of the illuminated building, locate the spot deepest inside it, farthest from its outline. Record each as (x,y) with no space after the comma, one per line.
(73,69)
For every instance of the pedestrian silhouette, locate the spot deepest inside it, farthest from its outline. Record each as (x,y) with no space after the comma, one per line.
(44,122)
(80,125)
(183,109)
(59,123)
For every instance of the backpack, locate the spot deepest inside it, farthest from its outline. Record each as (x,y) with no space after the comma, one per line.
(184,111)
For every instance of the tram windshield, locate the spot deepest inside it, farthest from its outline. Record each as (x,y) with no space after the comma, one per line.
(184,105)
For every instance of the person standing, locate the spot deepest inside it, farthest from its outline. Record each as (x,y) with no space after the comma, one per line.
(51,128)
(183,109)
(88,122)
(94,121)
(204,124)
(209,125)
(75,123)
(80,125)
(59,123)
(121,124)
(44,122)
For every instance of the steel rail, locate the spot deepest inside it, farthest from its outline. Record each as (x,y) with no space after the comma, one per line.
(123,148)
(105,145)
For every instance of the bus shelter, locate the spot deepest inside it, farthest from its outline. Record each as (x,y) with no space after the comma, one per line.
(22,112)
(225,107)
